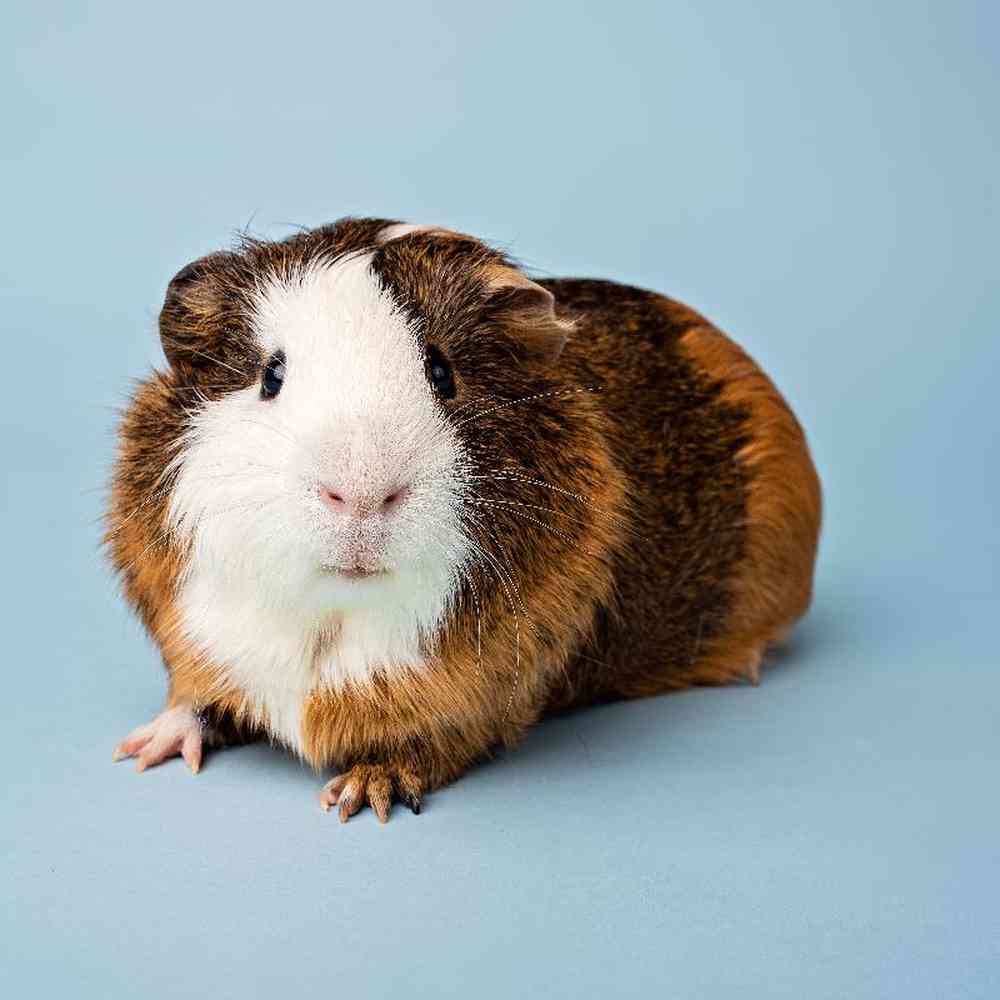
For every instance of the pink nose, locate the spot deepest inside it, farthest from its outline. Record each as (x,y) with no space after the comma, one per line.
(343,501)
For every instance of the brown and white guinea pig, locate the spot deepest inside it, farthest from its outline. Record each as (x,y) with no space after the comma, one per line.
(392,501)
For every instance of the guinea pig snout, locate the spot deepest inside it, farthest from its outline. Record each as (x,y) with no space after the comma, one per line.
(360,503)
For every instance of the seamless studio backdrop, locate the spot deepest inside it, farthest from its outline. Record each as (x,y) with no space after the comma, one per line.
(818,179)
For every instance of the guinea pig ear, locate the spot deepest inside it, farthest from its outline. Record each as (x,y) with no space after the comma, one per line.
(529,311)
(193,308)
(397,230)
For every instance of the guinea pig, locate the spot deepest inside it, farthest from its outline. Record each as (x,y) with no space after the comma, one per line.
(392,501)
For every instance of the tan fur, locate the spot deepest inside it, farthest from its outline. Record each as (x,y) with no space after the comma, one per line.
(784,509)
(150,562)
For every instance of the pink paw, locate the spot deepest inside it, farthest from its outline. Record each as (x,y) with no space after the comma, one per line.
(175,731)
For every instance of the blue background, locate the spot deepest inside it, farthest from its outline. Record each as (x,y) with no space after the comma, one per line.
(821,180)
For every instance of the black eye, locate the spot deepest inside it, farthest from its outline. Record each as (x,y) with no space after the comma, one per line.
(439,374)
(274,376)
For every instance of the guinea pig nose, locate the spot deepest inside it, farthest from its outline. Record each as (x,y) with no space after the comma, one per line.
(355,504)
(394,499)
(332,497)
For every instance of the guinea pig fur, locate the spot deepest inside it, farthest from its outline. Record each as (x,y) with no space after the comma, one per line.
(391,501)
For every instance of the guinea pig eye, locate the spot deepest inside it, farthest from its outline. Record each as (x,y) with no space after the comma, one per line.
(439,374)
(274,376)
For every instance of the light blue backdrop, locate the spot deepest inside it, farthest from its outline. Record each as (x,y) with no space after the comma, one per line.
(821,180)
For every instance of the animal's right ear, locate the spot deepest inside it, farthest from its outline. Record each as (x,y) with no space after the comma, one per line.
(194,309)
(529,312)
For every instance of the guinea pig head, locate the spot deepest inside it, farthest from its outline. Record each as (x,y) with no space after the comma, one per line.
(331,446)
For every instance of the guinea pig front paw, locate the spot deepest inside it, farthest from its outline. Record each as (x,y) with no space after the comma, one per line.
(175,731)
(376,784)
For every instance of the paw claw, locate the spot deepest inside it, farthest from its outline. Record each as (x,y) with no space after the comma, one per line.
(329,794)
(380,797)
(191,750)
(348,807)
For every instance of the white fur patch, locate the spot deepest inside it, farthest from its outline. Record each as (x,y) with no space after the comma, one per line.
(355,412)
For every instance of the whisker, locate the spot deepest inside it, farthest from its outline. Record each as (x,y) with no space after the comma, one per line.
(159,492)
(156,493)
(506,567)
(534,520)
(475,598)
(283,431)
(250,472)
(527,399)
(538,634)
(489,501)
(512,477)
(506,578)
(473,402)
(173,529)
(216,361)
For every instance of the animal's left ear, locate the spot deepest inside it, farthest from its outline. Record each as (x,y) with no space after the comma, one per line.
(528,311)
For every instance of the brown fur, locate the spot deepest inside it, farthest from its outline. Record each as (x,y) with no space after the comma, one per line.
(648,515)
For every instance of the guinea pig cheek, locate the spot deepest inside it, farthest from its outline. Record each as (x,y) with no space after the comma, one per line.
(237,495)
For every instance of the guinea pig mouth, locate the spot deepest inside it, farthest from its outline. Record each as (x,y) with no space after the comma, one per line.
(352,572)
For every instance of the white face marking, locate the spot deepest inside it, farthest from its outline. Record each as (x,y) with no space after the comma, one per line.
(355,414)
